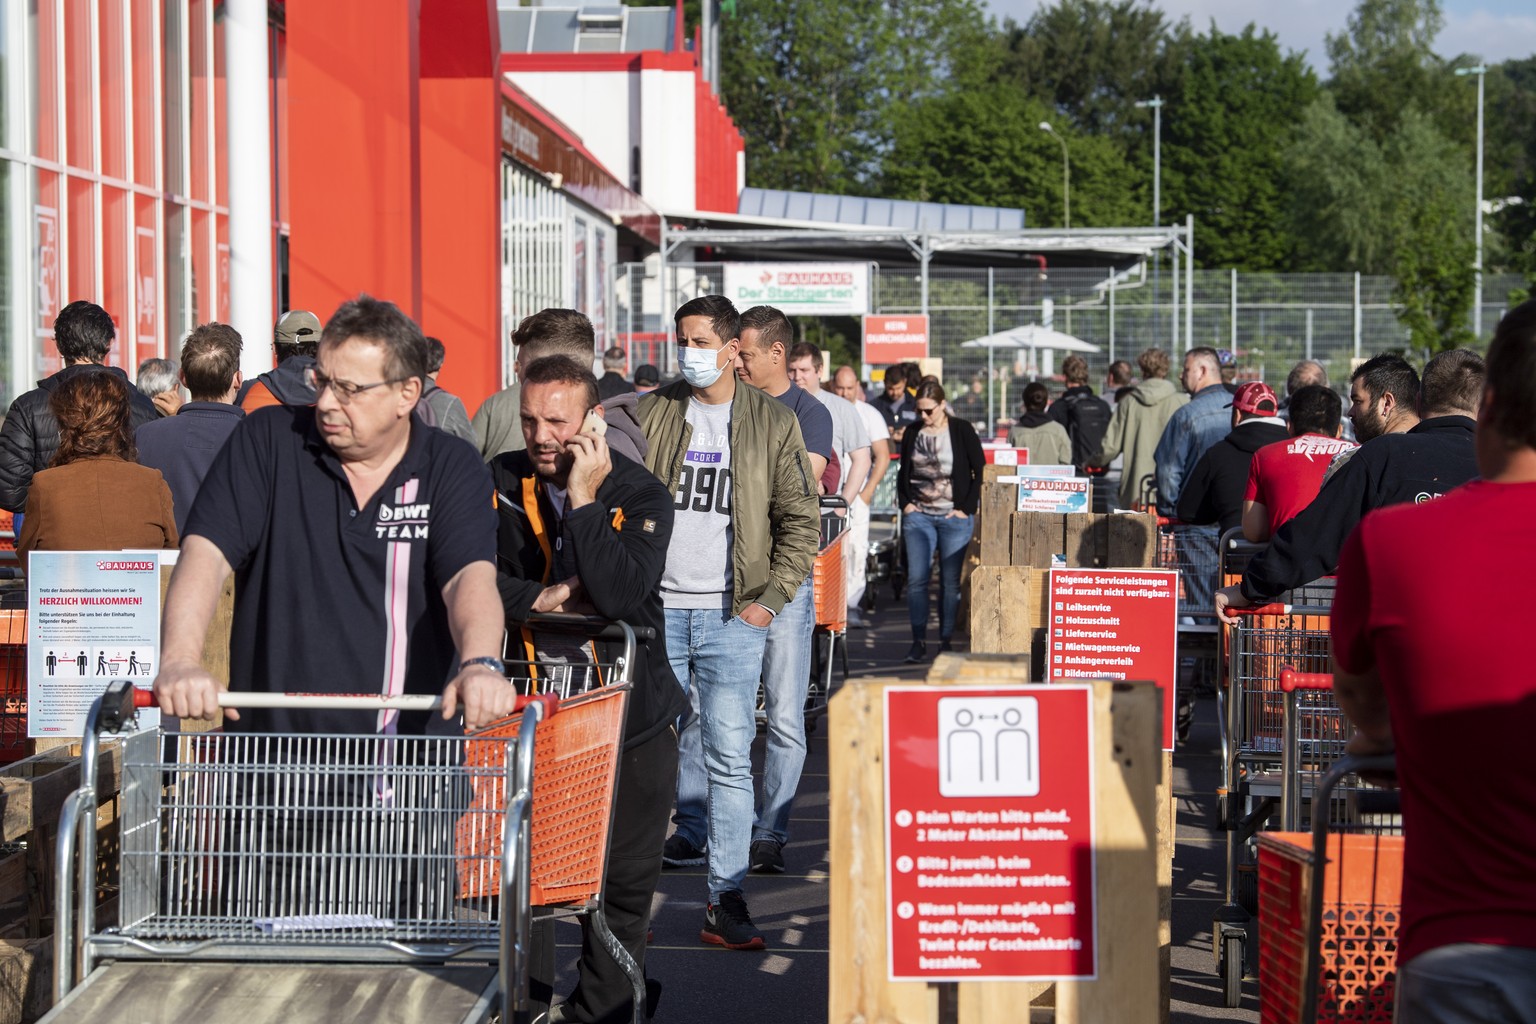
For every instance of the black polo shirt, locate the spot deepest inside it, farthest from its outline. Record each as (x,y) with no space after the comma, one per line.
(334,598)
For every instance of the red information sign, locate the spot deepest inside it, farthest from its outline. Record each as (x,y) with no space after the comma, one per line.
(996,455)
(989,833)
(895,339)
(1117,624)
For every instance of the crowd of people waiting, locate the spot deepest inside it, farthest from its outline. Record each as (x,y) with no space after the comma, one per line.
(693,511)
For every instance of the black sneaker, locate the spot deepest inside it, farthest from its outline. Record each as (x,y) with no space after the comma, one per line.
(945,646)
(916,653)
(728,924)
(767,856)
(678,852)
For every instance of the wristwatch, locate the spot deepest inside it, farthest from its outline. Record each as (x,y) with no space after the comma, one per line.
(488,662)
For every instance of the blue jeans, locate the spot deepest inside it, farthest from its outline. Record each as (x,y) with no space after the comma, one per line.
(786,678)
(1467,983)
(718,658)
(1195,549)
(923,533)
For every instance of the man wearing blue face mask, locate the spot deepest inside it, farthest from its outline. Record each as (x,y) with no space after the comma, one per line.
(744,536)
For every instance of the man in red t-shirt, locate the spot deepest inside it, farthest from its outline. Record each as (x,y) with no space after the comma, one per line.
(1284,477)
(1428,662)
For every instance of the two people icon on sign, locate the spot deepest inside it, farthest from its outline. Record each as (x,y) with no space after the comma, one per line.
(1012,750)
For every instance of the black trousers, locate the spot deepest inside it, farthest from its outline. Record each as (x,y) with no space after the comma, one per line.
(647,785)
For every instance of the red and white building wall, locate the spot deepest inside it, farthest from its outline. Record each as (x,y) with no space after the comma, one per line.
(112,184)
(409,159)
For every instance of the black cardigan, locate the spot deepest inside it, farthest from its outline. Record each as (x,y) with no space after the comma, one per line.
(964,478)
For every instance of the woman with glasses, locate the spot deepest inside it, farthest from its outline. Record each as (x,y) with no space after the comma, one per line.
(939,488)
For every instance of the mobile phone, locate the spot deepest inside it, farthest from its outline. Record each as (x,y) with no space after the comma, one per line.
(594,424)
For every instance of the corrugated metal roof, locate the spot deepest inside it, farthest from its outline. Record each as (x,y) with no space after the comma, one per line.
(591,28)
(876,213)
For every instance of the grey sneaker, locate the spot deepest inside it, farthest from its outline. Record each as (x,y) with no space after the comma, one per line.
(767,857)
(728,924)
(678,852)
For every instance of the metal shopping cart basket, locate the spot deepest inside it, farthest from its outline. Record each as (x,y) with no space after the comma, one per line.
(308,877)
(1266,640)
(1329,905)
(884,564)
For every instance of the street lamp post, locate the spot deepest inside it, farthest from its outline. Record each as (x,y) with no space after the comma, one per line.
(1156,103)
(1066,175)
(1481,71)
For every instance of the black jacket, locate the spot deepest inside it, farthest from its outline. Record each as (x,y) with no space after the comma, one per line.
(285,382)
(618,545)
(1421,465)
(610,384)
(964,477)
(1214,491)
(30,436)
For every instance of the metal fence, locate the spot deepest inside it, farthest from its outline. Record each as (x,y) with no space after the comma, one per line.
(1270,321)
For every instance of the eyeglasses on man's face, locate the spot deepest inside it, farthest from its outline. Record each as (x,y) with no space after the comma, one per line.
(344,391)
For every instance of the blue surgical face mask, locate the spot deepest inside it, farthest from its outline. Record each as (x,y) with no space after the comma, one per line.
(700,366)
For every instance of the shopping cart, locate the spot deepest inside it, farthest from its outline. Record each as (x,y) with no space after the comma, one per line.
(1265,640)
(314,877)
(1330,902)
(829,640)
(884,563)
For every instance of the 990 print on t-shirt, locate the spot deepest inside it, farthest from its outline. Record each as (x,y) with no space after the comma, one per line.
(702,487)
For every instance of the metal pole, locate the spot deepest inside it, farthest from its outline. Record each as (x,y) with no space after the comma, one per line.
(1066,175)
(250,181)
(1232,327)
(924,258)
(1309,334)
(1477,261)
(1173,298)
(991,379)
(1189,281)
(1357,315)
(706,38)
(1156,103)
(1111,319)
(1477,293)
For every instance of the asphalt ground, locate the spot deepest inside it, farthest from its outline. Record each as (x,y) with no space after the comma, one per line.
(788,983)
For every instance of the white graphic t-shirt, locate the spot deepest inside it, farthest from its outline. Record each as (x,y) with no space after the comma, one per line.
(698,573)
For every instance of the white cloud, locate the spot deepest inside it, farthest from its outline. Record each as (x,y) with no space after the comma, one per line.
(1303,24)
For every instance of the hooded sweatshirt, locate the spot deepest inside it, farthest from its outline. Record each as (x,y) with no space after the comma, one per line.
(283,385)
(1046,439)
(1134,431)
(1214,491)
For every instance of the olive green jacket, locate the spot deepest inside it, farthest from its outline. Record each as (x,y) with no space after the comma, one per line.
(775,515)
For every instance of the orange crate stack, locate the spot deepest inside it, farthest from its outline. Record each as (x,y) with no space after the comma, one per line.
(13,684)
(831,584)
(1362,894)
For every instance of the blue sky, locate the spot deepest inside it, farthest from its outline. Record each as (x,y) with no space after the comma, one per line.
(1492,29)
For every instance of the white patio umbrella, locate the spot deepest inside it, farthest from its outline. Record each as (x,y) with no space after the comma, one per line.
(1030,336)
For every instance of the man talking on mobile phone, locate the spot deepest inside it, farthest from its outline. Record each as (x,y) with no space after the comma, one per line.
(584,529)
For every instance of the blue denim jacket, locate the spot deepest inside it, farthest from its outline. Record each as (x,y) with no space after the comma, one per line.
(1189,434)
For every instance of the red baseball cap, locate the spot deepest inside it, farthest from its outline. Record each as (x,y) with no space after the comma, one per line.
(1256,397)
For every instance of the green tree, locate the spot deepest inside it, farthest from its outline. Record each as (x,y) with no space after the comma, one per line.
(1227,123)
(1338,196)
(1385,64)
(1429,230)
(1092,60)
(816,88)
(983,145)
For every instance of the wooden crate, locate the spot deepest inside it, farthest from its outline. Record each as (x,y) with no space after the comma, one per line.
(32,795)
(26,979)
